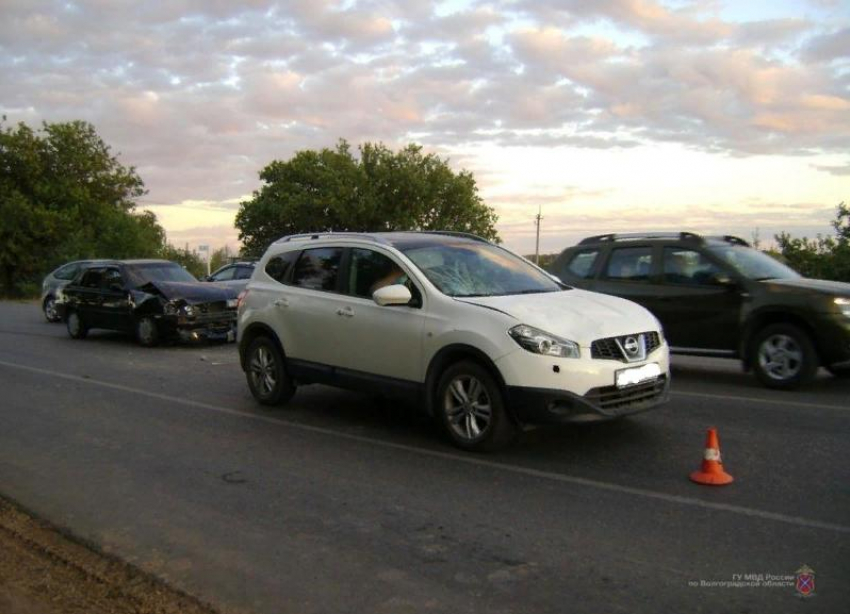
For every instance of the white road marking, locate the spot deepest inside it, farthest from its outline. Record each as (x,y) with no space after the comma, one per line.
(469,460)
(725,397)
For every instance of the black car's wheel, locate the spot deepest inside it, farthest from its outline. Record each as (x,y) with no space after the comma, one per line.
(49,307)
(784,357)
(266,373)
(470,405)
(840,372)
(147,333)
(76,327)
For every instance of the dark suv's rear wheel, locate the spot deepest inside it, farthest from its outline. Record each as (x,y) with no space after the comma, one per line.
(266,373)
(471,407)
(784,357)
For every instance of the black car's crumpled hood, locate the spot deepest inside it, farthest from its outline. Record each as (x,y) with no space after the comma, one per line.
(191,293)
(839,288)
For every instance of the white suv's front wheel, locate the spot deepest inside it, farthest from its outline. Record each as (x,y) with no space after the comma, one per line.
(266,373)
(471,407)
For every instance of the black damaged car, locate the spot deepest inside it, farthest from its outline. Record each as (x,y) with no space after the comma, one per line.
(151,299)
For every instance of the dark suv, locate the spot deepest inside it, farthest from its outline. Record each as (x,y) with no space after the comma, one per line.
(716,296)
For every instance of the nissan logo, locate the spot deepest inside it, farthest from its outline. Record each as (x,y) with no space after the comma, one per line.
(631,346)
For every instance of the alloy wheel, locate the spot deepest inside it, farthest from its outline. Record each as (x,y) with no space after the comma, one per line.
(468,408)
(780,357)
(263,370)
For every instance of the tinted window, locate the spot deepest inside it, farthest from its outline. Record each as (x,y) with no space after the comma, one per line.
(243,272)
(634,263)
(753,263)
(371,271)
(582,263)
(685,266)
(278,267)
(112,280)
(92,278)
(318,269)
(67,272)
(224,274)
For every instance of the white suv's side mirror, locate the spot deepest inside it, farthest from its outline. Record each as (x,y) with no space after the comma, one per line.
(396,294)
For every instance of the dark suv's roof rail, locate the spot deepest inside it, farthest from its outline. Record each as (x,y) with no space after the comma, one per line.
(635,236)
(313,236)
(735,240)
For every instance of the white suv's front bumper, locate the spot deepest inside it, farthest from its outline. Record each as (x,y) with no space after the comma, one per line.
(543,389)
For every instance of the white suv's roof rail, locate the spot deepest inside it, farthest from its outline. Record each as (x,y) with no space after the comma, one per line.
(314,236)
(376,237)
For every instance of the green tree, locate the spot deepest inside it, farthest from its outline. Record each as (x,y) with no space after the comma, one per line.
(220,257)
(190,261)
(823,257)
(331,190)
(63,195)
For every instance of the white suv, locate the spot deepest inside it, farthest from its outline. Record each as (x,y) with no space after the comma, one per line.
(487,340)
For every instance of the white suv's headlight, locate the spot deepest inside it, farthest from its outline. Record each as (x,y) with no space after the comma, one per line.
(540,342)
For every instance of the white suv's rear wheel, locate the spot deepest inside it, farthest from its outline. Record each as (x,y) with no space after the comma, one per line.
(471,407)
(266,373)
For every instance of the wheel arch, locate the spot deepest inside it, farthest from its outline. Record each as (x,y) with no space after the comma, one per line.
(452,354)
(253,331)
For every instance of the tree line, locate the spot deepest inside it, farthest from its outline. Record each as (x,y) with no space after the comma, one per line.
(64,196)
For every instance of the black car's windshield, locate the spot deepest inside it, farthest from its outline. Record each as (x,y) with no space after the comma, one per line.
(752,263)
(142,274)
(478,269)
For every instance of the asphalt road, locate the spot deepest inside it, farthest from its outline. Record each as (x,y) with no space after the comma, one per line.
(336,503)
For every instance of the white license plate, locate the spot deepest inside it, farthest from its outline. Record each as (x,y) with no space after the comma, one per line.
(637,375)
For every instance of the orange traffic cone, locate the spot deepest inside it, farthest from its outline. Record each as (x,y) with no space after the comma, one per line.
(711,471)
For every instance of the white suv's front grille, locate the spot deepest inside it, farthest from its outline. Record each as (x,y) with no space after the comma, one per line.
(626,348)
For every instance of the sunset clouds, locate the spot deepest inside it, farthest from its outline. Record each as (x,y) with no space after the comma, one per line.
(200,95)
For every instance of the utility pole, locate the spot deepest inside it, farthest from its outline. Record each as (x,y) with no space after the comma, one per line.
(537,219)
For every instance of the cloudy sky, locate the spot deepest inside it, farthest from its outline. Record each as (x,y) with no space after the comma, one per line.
(611,115)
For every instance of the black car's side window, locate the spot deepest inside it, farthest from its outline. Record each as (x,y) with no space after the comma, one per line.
(92,278)
(278,267)
(581,264)
(318,269)
(685,266)
(630,263)
(67,272)
(112,280)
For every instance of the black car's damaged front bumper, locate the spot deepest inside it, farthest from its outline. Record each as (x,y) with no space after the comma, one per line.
(199,328)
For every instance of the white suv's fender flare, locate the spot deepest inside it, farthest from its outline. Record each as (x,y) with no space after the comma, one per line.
(451,354)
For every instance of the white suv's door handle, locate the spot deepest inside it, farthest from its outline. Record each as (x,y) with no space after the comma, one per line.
(281,302)
(348,312)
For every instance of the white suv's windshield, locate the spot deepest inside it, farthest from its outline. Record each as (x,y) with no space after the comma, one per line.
(753,264)
(478,269)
